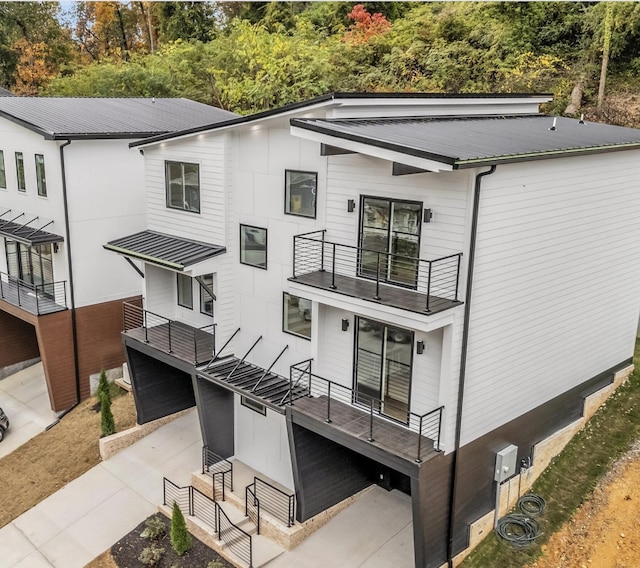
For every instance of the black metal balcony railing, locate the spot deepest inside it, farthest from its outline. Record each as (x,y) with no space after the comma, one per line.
(195,345)
(38,299)
(220,470)
(394,279)
(330,398)
(261,495)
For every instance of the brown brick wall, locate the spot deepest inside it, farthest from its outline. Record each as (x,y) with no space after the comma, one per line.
(18,341)
(99,339)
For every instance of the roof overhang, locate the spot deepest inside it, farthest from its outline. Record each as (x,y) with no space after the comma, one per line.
(164,250)
(27,233)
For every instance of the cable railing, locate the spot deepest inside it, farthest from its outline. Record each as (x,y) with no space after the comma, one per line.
(252,506)
(427,426)
(238,541)
(173,493)
(193,344)
(269,498)
(437,279)
(220,470)
(38,299)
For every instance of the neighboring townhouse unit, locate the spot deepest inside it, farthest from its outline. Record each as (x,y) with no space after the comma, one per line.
(68,182)
(386,288)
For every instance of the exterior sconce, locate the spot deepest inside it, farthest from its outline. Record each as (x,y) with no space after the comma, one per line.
(345,324)
(55,247)
(420,347)
(351,205)
(427,216)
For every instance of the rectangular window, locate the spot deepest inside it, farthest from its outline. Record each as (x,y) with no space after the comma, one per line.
(253,246)
(185,291)
(40,177)
(3,175)
(296,318)
(253,405)
(206,300)
(33,265)
(183,186)
(22,186)
(300,190)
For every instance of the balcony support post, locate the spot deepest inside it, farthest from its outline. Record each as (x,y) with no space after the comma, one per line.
(427,308)
(377,296)
(333,266)
(370,438)
(418,459)
(328,420)
(322,254)
(170,351)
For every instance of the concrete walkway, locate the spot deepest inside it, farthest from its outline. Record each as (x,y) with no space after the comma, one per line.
(25,399)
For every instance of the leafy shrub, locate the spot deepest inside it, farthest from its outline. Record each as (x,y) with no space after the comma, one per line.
(180,536)
(151,555)
(155,528)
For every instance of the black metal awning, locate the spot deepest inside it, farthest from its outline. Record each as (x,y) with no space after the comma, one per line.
(164,250)
(27,233)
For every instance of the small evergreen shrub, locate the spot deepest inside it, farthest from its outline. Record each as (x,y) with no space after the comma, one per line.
(180,536)
(151,555)
(103,386)
(107,422)
(155,528)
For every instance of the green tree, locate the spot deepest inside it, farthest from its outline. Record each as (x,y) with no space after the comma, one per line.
(180,536)
(107,423)
(103,386)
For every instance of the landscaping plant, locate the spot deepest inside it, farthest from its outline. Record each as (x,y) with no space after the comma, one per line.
(151,555)
(103,386)
(107,422)
(180,536)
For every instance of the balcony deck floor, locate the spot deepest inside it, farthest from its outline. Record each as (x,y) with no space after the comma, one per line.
(188,343)
(388,436)
(395,296)
(27,299)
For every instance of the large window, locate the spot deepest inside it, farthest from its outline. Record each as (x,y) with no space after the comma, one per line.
(383,367)
(390,237)
(33,265)
(3,174)
(300,189)
(183,186)
(296,318)
(22,186)
(206,299)
(40,177)
(185,291)
(253,246)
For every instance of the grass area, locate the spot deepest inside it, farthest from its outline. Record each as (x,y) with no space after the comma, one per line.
(573,475)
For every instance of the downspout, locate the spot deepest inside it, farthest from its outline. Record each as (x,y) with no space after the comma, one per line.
(463,362)
(74,330)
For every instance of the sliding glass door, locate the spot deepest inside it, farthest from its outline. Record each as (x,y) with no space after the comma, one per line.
(33,265)
(383,368)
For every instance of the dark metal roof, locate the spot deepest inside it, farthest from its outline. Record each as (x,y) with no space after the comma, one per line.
(31,232)
(61,118)
(334,97)
(464,142)
(165,250)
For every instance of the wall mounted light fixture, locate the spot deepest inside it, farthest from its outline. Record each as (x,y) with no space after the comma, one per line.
(427,216)
(351,205)
(420,347)
(345,324)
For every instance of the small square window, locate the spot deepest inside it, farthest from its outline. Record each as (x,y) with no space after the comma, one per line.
(3,174)
(183,186)
(185,291)
(206,299)
(300,190)
(253,246)
(40,177)
(296,317)
(22,186)
(253,405)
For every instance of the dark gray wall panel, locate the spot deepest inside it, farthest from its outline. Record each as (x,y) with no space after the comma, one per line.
(216,414)
(159,389)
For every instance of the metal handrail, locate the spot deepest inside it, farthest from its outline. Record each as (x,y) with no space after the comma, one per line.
(276,502)
(252,507)
(223,468)
(427,425)
(437,278)
(38,299)
(239,541)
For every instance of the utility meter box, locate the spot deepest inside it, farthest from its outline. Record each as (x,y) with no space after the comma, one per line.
(506,463)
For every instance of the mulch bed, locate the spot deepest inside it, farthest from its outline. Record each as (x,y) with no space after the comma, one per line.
(126,551)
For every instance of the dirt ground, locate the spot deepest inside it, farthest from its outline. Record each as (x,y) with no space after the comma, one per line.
(605,531)
(52,459)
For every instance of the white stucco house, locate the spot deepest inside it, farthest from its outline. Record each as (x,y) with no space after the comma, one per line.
(68,181)
(386,288)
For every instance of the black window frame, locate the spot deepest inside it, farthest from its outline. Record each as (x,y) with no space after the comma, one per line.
(253,405)
(284,307)
(167,164)
(203,292)
(287,194)
(20,173)
(178,288)
(266,246)
(3,171)
(41,178)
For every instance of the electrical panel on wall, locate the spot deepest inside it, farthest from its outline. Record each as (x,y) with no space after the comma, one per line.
(506,463)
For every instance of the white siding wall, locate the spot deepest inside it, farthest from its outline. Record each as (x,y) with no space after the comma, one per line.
(262,443)
(555,298)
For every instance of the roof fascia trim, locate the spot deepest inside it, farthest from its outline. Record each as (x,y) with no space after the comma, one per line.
(375,148)
(28,125)
(145,257)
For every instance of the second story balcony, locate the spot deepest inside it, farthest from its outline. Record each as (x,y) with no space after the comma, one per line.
(36,299)
(391,279)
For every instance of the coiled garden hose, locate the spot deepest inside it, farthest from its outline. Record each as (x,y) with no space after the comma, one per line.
(531,505)
(518,529)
